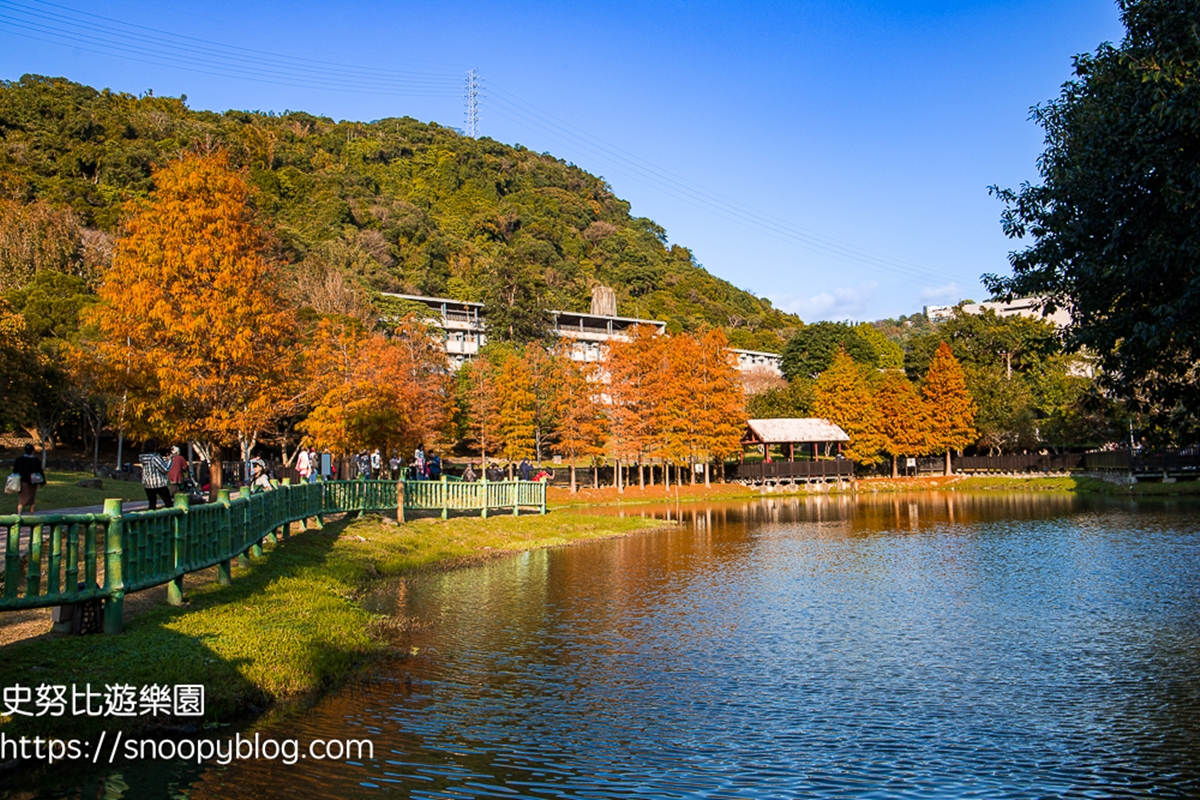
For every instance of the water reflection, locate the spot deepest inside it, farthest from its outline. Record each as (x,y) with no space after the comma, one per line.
(893,646)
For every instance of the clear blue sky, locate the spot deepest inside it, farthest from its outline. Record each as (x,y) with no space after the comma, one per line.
(831,156)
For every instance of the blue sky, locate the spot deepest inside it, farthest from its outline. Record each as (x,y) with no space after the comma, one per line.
(831,156)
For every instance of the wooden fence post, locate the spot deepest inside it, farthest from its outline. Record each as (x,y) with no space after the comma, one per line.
(224,568)
(114,582)
(178,554)
(445,498)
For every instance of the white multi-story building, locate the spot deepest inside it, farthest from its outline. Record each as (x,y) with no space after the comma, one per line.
(464,327)
(756,359)
(1021,307)
(589,334)
(460,321)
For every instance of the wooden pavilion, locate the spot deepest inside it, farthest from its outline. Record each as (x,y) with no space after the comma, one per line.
(788,433)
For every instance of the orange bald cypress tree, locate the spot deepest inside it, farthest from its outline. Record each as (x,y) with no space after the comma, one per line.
(844,396)
(903,419)
(632,366)
(578,414)
(951,409)
(719,401)
(190,320)
(374,391)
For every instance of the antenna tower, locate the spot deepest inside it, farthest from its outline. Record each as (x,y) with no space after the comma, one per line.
(473,103)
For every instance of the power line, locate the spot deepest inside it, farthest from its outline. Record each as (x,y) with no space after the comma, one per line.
(167,49)
(682,189)
(95,33)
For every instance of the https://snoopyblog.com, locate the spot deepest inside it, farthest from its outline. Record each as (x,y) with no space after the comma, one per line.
(155,700)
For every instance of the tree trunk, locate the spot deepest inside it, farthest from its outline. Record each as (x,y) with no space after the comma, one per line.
(216,476)
(895,474)
(949,471)
(573,487)
(641,475)
(617,476)
(707,482)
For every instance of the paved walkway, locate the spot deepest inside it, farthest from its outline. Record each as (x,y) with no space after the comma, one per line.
(130,505)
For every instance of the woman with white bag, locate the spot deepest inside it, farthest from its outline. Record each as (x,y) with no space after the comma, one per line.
(31,478)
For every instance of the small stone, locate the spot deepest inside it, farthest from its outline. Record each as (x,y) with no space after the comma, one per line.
(90,483)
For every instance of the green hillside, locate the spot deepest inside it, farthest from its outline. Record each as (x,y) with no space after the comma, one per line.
(397,204)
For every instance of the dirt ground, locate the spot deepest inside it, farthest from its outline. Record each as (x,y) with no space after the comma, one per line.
(35,623)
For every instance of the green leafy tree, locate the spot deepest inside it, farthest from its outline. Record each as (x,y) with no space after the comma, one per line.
(1115,222)
(785,402)
(811,351)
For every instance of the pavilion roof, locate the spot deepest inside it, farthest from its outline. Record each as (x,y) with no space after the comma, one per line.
(783,431)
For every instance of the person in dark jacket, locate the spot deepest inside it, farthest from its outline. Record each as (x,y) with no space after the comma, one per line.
(525,470)
(27,466)
(155,470)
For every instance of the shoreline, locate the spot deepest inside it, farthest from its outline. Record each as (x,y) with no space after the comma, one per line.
(560,498)
(298,622)
(291,627)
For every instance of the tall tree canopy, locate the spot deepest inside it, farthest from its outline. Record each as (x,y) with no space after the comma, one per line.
(189,320)
(1115,223)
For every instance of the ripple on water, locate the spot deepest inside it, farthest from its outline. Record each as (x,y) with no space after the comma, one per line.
(933,647)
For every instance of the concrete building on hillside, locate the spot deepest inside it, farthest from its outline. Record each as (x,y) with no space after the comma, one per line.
(464,325)
(461,322)
(1021,307)
(756,359)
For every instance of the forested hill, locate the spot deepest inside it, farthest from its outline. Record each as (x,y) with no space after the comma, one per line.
(399,204)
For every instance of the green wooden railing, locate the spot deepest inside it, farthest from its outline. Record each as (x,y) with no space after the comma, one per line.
(63,559)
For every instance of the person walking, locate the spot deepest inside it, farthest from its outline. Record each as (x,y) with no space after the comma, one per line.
(394,466)
(178,468)
(155,471)
(419,461)
(376,464)
(363,463)
(303,465)
(27,466)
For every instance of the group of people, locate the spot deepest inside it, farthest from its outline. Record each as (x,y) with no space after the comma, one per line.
(495,472)
(164,472)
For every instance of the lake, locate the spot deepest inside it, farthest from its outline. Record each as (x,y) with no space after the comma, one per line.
(933,645)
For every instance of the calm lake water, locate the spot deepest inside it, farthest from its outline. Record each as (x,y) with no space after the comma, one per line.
(935,645)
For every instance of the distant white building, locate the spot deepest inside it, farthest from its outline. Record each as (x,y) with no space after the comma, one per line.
(460,321)
(1021,307)
(464,326)
(589,334)
(756,359)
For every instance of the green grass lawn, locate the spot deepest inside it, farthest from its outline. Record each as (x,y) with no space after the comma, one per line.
(290,625)
(60,491)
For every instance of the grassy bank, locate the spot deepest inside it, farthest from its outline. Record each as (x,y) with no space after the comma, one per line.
(60,491)
(290,625)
